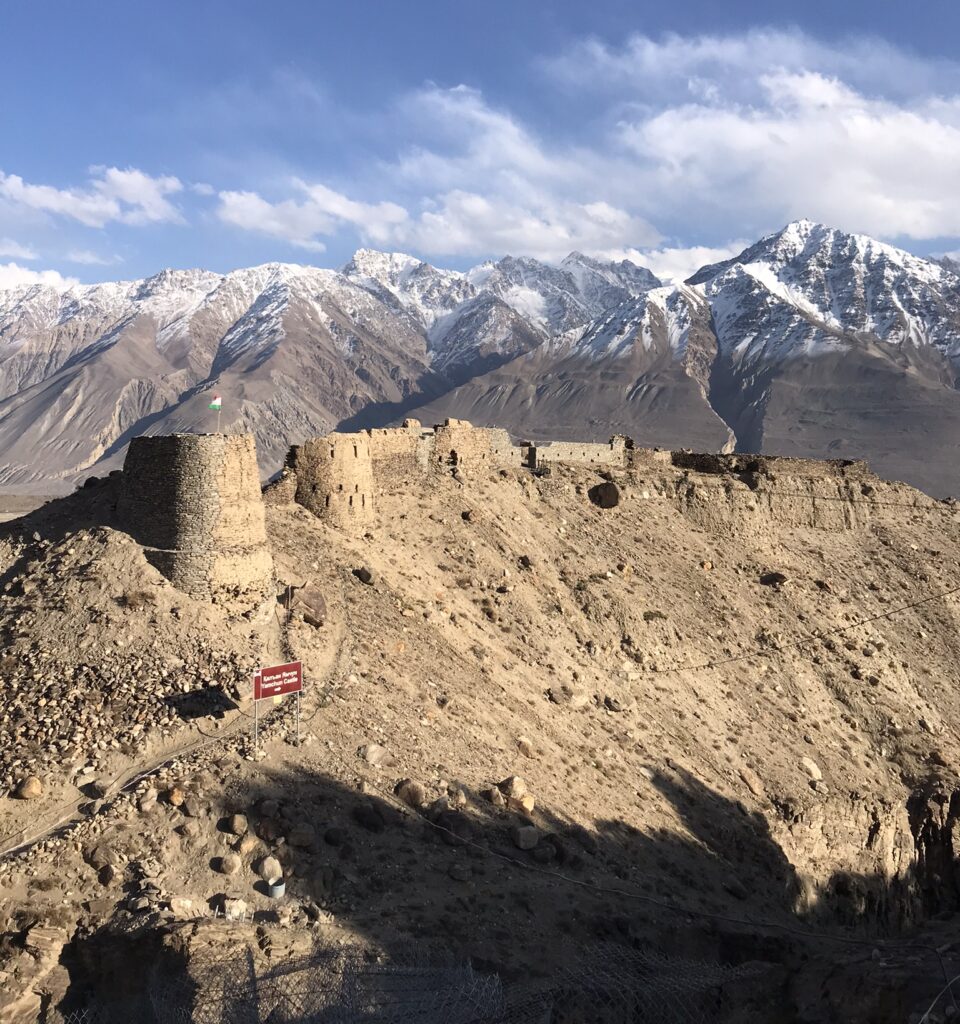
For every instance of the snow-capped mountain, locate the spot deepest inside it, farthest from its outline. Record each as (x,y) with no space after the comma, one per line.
(810,342)
(293,350)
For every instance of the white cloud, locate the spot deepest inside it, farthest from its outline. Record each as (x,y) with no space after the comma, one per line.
(318,210)
(88,258)
(129,196)
(484,185)
(14,250)
(14,276)
(816,148)
(743,133)
(675,264)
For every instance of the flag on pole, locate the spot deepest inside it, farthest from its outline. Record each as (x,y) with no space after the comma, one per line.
(216,403)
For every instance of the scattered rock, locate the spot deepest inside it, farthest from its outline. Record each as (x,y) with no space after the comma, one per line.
(101,856)
(773,579)
(513,787)
(522,804)
(176,796)
(495,797)
(605,495)
(237,825)
(234,909)
(364,575)
(147,800)
(752,781)
(270,869)
(811,768)
(230,864)
(30,788)
(525,837)
(526,747)
(525,562)
(375,754)
(413,794)
(454,828)
(460,872)
(182,908)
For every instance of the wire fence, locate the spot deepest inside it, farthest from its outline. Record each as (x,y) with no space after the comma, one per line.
(608,985)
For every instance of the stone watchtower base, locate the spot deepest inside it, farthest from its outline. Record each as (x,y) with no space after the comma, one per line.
(193,502)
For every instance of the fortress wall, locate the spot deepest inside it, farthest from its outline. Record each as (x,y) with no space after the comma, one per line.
(400,457)
(472,449)
(611,454)
(193,502)
(651,459)
(707,462)
(335,478)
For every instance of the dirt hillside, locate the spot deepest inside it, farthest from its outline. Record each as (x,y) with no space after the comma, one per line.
(728,705)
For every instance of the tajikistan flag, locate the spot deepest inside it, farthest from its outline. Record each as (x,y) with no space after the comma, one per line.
(216,403)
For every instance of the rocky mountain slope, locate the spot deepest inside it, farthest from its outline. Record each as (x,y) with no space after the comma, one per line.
(740,752)
(810,342)
(292,350)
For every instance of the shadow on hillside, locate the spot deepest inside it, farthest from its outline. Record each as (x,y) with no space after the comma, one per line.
(454,880)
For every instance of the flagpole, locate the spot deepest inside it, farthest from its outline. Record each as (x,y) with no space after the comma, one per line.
(218,421)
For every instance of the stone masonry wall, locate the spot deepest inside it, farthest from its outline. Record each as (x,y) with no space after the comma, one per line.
(611,454)
(340,477)
(335,477)
(193,502)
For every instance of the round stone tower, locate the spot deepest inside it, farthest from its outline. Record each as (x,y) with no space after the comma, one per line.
(193,502)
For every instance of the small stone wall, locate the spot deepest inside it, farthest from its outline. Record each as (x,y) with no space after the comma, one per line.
(193,502)
(611,454)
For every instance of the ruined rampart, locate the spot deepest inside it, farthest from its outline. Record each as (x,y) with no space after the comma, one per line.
(341,477)
(611,454)
(193,502)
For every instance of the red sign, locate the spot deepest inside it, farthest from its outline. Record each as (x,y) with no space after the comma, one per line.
(278,680)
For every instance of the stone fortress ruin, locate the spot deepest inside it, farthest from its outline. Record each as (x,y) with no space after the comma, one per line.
(341,477)
(194,500)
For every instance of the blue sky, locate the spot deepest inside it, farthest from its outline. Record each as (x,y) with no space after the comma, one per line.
(219,134)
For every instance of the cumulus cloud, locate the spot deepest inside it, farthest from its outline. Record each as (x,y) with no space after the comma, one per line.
(12,275)
(129,196)
(663,143)
(317,210)
(14,250)
(753,130)
(484,184)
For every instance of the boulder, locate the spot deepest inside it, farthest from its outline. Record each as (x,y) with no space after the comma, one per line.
(605,495)
(230,864)
(525,837)
(270,869)
(236,825)
(412,793)
(513,786)
(29,788)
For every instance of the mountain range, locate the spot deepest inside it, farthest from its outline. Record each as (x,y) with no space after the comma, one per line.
(811,342)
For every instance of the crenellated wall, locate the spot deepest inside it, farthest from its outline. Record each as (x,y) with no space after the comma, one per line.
(193,502)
